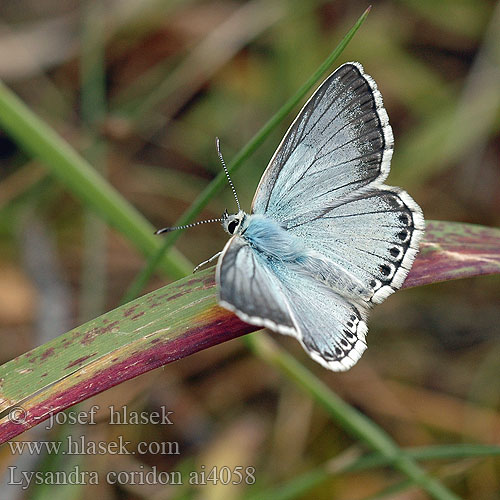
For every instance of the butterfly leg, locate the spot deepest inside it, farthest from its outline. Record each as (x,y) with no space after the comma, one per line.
(206,261)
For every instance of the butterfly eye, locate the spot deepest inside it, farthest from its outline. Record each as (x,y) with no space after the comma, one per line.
(231,227)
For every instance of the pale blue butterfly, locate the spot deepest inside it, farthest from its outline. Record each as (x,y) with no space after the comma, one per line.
(326,239)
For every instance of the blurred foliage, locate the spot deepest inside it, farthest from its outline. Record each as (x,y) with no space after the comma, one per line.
(142,89)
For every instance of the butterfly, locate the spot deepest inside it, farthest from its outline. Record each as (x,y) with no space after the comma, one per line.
(326,239)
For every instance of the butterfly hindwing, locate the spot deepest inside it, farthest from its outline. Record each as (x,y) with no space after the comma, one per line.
(374,236)
(331,328)
(283,297)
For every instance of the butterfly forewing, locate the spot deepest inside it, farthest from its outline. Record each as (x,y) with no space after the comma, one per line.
(340,142)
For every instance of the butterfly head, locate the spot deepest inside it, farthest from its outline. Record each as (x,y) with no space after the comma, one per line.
(233,223)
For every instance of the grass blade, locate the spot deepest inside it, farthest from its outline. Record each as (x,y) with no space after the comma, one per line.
(158,328)
(183,318)
(36,137)
(453,250)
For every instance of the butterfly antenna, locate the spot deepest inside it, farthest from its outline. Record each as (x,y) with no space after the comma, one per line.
(217,143)
(169,229)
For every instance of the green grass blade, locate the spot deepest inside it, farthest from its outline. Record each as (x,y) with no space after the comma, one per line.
(304,483)
(195,298)
(181,319)
(352,421)
(37,138)
(155,329)
(442,452)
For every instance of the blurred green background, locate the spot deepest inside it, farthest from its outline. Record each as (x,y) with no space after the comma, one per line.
(141,89)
